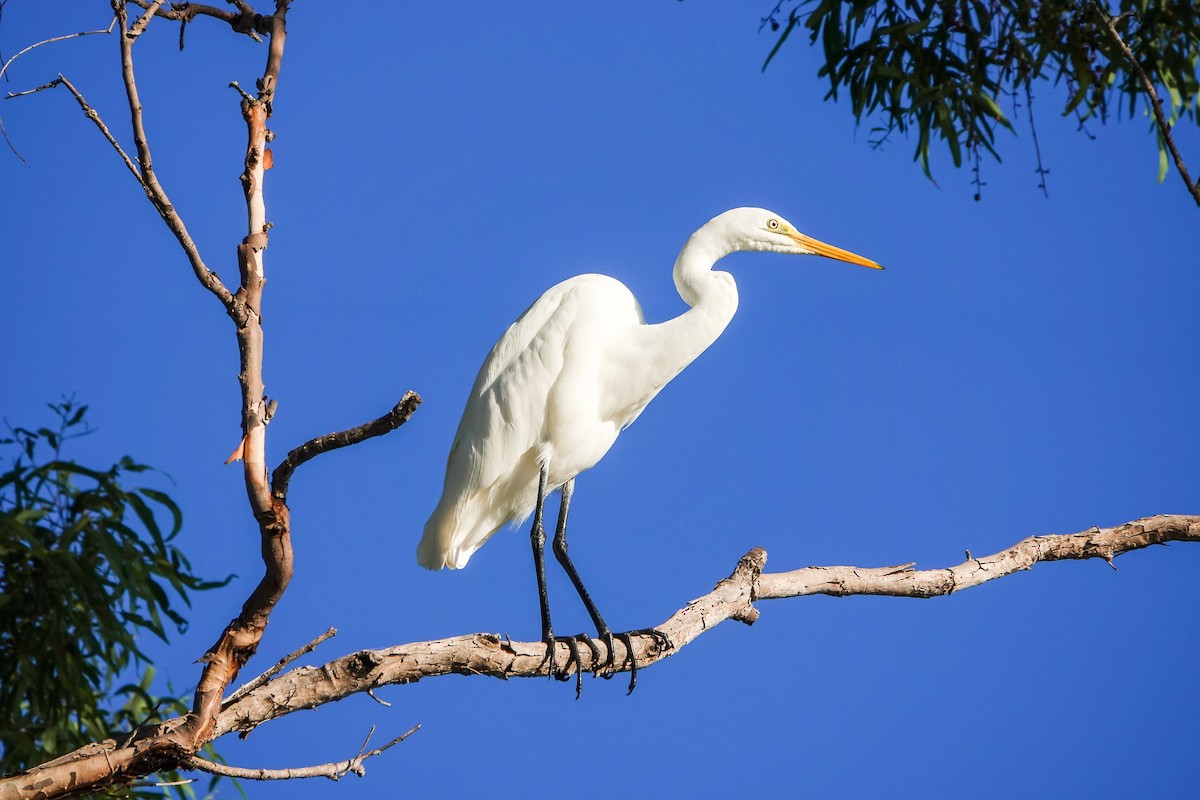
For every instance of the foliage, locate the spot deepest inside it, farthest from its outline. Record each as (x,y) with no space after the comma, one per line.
(946,68)
(85,569)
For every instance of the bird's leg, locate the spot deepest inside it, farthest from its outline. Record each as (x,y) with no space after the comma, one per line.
(559,546)
(537,537)
(560,552)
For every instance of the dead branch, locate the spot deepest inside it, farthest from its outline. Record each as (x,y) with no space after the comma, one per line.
(278,667)
(1105,543)
(53,39)
(154,748)
(333,771)
(332,441)
(149,180)
(1164,127)
(94,116)
(241,637)
(143,21)
(8,63)
(499,657)
(243,21)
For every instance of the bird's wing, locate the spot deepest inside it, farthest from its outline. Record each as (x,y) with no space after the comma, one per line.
(504,414)
(491,474)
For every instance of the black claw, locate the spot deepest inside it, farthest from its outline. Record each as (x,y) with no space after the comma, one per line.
(591,645)
(573,643)
(607,666)
(573,661)
(548,659)
(574,648)
(629,659)
(604,666)
(661,641)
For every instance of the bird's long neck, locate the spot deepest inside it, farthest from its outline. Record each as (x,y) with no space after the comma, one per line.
(695,280)
(654,354)
(713,298)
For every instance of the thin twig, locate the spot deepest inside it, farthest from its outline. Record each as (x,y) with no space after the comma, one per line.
(8,63)
(332,441)
(147,178)
(333,771)
(1164,127)
(279,665)
(94,116)
(1041,170)
(109,29)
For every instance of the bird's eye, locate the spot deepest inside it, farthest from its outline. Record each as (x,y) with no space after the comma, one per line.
(773,224)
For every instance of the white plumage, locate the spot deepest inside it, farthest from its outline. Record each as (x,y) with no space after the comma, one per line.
(563,381)
(578,367)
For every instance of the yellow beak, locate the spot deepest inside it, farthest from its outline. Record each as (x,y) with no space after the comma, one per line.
(829,251)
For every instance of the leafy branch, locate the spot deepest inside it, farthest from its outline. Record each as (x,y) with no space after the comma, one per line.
(940,70)
(86,568)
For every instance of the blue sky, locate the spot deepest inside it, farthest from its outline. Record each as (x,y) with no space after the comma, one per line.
(1024,366)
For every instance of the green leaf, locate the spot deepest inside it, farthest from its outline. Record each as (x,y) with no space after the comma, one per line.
(791,23)
(85,567)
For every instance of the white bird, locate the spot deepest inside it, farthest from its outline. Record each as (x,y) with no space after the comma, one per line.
(564,380)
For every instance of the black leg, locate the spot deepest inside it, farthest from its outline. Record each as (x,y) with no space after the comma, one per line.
(560,552)
(537,537)
(559,546)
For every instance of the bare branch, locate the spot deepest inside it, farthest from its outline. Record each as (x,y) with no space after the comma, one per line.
(8,63)
(279,665)
(499,657)
(332,441)
(333,771)
(144,176)
(143,21)
(149,181)
(1164,127)
(34,90)
(243,21)
(241,637)
(94,116)
(1105,543)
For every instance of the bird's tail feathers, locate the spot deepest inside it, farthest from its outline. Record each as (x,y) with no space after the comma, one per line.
(433,550)
(452,535)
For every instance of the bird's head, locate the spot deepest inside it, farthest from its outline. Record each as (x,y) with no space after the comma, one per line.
(761,230)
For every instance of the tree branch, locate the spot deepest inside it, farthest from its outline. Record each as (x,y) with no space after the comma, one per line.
(499,657)
(243,21)
(496,656)
(149,180)
(1164,127)
(143,22)
(8,63)
(94,116)
(333,441)
(333,771)
(240,639)
(278,667)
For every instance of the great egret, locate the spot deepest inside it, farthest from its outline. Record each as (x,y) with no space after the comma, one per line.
(568,376)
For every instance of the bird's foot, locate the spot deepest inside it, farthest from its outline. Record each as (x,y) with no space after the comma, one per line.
(573,660)
(661,642)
